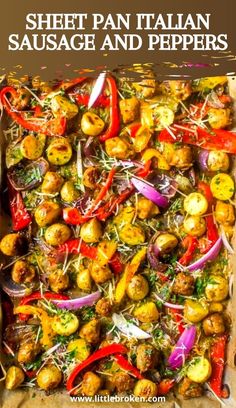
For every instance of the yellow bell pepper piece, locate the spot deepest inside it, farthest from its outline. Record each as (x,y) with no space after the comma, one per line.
(106,250)
(128,274)
(150,153)
(48,334)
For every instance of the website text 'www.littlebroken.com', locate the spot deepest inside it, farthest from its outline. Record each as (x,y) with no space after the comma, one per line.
(116,398)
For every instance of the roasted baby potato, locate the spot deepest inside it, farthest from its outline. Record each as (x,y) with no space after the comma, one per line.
(99,273)
(216,289)
(137,288)
(189,389)
(91,331)
(166,242)
(32,146)
(157,117)
(217,161)
(180,89)
(224,213)
(58,281)
(147,312)
(219,118)
(119,148)
(199,370)
(195,204)
(146,88)
(91,231)
(90,177)
(194,311)
(91,384)
(83,280)
(142,138)
(80,348)
(129,109)
(22,272)
(145,388)
(222,186)
(68,192)
(62,106)
(92,124)
(195,225)
(47,213)
(52,183)
(49,377)
(15,376)
(65,324)
(57,234)
(12,244)
(59,151)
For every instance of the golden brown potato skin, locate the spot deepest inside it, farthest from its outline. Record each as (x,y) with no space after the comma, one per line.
(122,381)
(147,312)
(28,351)
(166,242)
(91,384)
(52,183)
(137,288)
(12,244)
(47,213)
(147,357)
(183,284)
(180,89)
(49,377)
(218,161)
(224,213)
(189,389)
(103,307)
(91,331)
(92,124)
(22,99)
(69,192)
(146,208)
(57,234)
(22,272)
(145,388)
(91,231)
(58,281)
(14,377)
(213,324)
(90,177)
(194,311)
(129,109)
(100,274)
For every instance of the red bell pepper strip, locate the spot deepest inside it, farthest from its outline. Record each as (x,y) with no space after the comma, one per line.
(39,296)
(191,244)
(214,139)
(212,232)
(77,246)
(126,365)
(83,99)
(55,126)
(217,353)
(19,215)
(114,125)
(115,263)
(98,355)
(178,319)
(73,216)
(133,128)
(146,169)
(165,386)
(103,191)
(70,84)
(109,208)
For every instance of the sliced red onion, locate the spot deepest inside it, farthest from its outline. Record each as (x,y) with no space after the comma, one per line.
(152,255)
(88,148)
(97,89)
(166,185)
(13,289)
(211,255)
(192,176)
(168,304)
(226,242)
(202,159)
(28,177)
(129,329)
(77,303)
(182,348)
(17,332)
(149,192)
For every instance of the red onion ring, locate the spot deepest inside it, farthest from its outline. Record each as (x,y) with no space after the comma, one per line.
(149,192)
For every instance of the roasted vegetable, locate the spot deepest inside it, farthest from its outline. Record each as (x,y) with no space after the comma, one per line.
(57,234)
(14,378)
(49,377)
(65,324)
